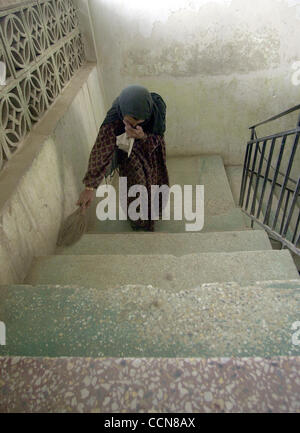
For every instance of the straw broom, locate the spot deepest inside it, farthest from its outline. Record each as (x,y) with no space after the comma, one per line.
(72,228)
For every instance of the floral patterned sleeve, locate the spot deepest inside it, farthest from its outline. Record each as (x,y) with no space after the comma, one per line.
(152,141)
(101,156)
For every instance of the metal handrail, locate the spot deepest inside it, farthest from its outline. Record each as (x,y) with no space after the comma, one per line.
(278,135)
(281,134)
(278,116)
(286,212)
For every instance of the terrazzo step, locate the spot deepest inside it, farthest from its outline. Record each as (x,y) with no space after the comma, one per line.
(212,320)
(165,271)
(177,244)
(220,211)
(163,385)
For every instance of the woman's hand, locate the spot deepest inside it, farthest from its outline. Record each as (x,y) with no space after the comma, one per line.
(136,133)
(85,199)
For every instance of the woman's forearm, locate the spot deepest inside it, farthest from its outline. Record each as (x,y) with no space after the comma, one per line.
(101,156)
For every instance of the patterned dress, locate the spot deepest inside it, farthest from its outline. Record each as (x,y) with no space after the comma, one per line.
(145,166)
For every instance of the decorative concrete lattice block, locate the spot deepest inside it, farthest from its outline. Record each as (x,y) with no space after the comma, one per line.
(49,78)
(42,48)
(36,29)
(4,59)
(14,120)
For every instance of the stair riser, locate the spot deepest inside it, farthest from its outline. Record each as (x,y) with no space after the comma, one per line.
(137,321)
(175,244)
(167,272)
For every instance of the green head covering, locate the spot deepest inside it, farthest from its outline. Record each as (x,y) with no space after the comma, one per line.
(136,101)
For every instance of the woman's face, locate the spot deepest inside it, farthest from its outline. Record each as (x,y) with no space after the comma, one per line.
(132,120)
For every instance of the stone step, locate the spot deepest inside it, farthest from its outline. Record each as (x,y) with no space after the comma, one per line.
(164,271)
(177,244)
(230,221)
(234,175)
(212,320)
(208,171)
(220,211)
(152,385)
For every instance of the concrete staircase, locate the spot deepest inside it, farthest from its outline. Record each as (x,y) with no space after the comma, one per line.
(169,294)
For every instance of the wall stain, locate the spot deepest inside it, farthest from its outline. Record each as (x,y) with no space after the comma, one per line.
(244,53)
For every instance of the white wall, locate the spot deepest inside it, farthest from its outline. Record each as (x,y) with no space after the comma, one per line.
(220,65)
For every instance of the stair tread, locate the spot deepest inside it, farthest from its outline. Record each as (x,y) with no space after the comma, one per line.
(208,171)
(211,320)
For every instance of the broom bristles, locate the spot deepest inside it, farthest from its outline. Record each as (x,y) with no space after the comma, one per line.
(72,229)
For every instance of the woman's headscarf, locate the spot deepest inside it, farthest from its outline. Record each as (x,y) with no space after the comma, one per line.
(136,101)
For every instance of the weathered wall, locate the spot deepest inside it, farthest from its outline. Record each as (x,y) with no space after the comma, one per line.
(220,65)
(42,182)
(86,29)
(88,37)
